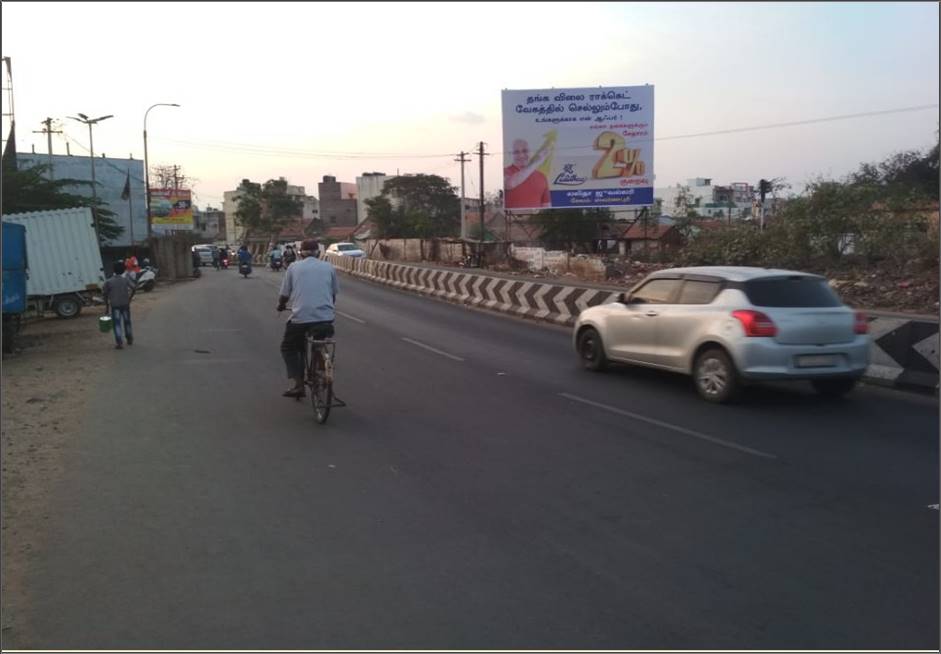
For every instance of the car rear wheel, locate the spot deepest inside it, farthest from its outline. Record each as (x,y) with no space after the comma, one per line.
(715,376)
(591,350)
(833,387)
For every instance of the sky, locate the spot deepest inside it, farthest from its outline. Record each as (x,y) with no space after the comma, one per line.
(302,90)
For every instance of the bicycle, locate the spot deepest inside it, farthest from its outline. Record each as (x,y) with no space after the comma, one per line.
(319,354)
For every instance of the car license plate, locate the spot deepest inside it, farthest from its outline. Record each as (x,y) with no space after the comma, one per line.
(816,361)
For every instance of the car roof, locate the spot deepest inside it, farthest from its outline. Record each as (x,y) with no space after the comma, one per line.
(731,273)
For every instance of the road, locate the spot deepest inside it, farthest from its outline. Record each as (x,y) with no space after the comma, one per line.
(480,490)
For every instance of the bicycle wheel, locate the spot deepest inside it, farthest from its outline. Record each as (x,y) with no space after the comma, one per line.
(321,389)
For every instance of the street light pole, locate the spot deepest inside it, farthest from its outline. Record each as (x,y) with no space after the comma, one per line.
(146,163)
(91,151)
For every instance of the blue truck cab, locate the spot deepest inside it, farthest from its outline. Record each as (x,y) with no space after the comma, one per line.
(14,281)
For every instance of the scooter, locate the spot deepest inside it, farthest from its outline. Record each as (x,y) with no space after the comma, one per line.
(245,269)
(146,279)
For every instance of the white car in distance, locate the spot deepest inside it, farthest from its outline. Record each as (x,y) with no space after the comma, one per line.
(345,250)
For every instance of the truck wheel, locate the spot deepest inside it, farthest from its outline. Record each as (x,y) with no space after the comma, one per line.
(67,307)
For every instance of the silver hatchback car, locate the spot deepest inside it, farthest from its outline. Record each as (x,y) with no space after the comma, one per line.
(727,326)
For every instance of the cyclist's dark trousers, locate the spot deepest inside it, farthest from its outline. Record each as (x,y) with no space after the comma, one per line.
(293,344)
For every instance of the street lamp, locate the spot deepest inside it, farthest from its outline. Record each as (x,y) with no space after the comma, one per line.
(82,118)
(146,164)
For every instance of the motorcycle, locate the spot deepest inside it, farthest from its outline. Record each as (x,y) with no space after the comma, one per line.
(224,263)
(276,264)
(245,269)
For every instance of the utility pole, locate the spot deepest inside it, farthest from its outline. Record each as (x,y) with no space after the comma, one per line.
(176,179)
(48,131)
(463,219)
(480,251)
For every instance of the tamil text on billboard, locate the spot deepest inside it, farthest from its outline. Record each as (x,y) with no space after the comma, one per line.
(171,209)
(578,147)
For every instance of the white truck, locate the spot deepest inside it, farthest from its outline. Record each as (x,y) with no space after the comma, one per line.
(64,268)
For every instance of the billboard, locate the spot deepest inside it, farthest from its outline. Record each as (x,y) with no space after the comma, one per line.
(578,147)
(171,209)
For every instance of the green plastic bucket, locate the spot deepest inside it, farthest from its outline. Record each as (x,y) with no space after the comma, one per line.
(104,324)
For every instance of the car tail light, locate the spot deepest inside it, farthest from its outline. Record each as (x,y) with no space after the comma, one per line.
(861,324)
(755,323)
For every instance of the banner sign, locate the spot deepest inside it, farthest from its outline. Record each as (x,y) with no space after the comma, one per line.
(171,208)
(578,147)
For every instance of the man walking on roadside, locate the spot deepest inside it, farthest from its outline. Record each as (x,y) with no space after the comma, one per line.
(117,292)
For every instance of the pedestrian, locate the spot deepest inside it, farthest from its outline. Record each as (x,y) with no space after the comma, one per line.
(118,291)
(131,266)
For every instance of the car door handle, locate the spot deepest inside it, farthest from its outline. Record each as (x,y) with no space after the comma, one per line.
(652,313)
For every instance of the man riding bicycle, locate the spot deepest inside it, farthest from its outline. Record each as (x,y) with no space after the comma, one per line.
(311,286)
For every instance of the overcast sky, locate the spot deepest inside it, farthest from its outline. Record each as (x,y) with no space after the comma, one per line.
(305,90)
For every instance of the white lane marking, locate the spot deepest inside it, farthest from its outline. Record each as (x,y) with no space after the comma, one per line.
(667,425)
(353,318)
(431,349)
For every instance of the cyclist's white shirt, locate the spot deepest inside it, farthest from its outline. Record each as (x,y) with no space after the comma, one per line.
(310,284)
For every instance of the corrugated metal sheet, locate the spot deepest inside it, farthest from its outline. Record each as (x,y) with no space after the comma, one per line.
(61,250)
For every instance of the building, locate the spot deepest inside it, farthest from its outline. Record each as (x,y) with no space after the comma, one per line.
(706,199)
(338,205)
(209,225)
(111,175)
(230,204)
(368,186)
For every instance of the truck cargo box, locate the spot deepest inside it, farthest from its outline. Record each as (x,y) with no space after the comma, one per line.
(64,255)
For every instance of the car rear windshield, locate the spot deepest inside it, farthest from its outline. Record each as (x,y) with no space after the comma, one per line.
(346,247)
(791,292)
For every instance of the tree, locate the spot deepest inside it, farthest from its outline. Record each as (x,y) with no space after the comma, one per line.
(266,209)
(683,202)
(30,189)
(571,229)
(416,206)
(170,177)
(909,174)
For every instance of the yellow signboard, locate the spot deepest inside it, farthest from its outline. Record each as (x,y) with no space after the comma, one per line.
(171,208)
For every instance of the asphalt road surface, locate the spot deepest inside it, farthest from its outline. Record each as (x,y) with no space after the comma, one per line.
(480,490)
